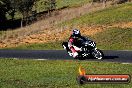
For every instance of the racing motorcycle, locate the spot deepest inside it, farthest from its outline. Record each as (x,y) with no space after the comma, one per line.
(86,48)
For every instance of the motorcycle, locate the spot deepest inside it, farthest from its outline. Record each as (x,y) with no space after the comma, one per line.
(86,48)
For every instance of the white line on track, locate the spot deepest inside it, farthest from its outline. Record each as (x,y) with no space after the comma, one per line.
(15,58)
(126,63)
(40,59)
(29,59)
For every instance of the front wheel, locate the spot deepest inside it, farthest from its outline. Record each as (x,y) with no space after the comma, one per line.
(97,54)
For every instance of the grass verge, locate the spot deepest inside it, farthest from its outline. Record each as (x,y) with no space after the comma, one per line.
(71,3)
(56,74)
(40,46)
(61,3)
(121,13)
(115,39)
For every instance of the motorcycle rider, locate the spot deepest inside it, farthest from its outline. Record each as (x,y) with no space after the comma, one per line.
(73,41)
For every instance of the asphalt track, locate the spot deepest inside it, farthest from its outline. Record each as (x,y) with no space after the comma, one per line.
(110,55)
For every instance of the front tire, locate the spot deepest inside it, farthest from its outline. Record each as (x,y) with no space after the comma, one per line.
(97,54)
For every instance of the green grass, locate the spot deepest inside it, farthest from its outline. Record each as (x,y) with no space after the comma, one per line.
(71,3)
(121,13)
(56,74)
(40,46)
(61,3)
(114,39)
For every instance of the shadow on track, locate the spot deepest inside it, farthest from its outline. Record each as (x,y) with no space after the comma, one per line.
(111,57)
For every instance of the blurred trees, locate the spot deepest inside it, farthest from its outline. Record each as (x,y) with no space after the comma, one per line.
(4,8)
(24,7)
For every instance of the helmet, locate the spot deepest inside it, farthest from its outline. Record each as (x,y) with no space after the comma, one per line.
(76,33)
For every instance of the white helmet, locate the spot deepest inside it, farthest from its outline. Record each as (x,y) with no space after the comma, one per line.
(76,33)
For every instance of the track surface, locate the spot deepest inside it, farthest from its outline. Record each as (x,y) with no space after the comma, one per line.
(110,55)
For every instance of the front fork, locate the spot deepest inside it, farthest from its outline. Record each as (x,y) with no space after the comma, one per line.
(93,50)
